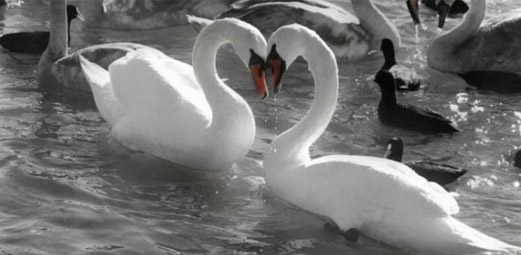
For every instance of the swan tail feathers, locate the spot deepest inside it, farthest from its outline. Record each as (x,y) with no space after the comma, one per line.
(439,235)
(99,81)
(94,74)
(479,240)
(197,22)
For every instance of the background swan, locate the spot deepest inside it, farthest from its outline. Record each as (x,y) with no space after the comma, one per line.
(493,46)
(35,42)
(186,115)
(57,68)
(381,198)
(350,36)
(148,14)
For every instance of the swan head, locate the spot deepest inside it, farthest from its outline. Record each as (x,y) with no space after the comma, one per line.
(443,7)
(250,45)
(285,46)
(412,6)
(394,149)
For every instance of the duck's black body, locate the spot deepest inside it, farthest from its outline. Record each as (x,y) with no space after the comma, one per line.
(404,78)
(33,42)
(407,116)
(458,7)
(442,174)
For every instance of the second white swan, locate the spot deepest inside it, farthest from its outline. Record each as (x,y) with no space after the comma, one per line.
(382,199)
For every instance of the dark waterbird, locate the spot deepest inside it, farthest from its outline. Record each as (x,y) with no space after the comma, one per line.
(407,116)
(404,77)
(35,42)
(517,159)
(442,174)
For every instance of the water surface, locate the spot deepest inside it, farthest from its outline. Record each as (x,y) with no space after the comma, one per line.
(66,187)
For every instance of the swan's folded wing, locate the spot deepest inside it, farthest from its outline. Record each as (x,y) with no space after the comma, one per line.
(159,85)
(99,81)
(375,186)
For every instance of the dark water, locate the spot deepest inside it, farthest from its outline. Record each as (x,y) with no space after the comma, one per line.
(67,188)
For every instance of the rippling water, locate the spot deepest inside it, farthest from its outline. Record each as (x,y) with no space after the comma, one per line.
(67,188)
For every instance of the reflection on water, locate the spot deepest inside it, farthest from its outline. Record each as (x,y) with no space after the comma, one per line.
(68,188)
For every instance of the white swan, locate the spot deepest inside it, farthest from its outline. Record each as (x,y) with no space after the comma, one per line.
(493,46)
(382,199)
(59,69)
(351,37)
(186,115)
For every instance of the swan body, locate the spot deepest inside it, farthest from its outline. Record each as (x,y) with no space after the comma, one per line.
(472,46)
(407,116)
(35,42)
(383,199)
(442,174)
(148,14)
(351,37)
(186,115)
(57,68)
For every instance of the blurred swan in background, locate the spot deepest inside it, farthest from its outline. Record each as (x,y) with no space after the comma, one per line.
(59,69)
(186,115)
(350,36)
(380,198)
(148,14)
(486,55)
(35,42)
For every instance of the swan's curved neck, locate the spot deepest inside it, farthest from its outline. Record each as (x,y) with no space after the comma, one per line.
(292,146)
(204,58)
(375,22)
(441,55)
(57,46)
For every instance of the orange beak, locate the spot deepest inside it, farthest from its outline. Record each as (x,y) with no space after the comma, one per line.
(259,78)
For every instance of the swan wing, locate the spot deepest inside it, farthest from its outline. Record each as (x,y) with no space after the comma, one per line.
(99,81)
(355,189)
(162,86)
